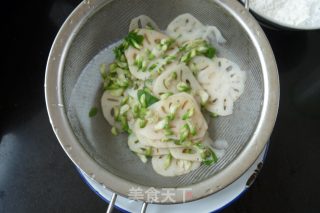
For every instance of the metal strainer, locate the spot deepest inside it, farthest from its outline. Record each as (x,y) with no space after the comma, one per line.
(73,86)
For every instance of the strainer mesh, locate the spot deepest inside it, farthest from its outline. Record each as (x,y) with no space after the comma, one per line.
(81,86)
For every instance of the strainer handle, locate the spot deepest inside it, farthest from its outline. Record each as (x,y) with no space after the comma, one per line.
(246,4)
(113,201)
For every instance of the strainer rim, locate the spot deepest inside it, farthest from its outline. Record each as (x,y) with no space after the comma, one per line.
(67,139)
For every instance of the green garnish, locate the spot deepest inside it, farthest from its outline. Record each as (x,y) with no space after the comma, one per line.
(192,128)
(145,98)
(210,53)
(204,97)
(184,132)
(209,157)
(134,39)
(183,87)
(172,111)
(142,123)
(148,152)
(114,131)
(213,115)
(103,71)
(188,114)
(195,48)
(116,113)
(163,124)
(167,161)
(93,112)
(164,96)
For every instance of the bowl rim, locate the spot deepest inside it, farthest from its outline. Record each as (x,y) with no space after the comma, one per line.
(266,20)
(77,154)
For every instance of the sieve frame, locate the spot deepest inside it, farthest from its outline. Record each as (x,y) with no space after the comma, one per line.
(77,154)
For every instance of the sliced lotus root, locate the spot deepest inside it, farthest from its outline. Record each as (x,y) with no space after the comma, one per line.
(149,54)
(108,103)
(166,165)
(224,81)
(186,27)
(143,21)
(184,103)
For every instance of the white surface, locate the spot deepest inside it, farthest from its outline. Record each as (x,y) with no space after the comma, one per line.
(207,204)
(299,13)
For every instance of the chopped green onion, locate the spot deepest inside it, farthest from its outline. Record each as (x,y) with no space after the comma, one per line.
(184,132)
(103,71)
(188,114)
(114,131)
(148,152)
(124,109)
(153,66)
(167,161)
(135,110)
(210,52)
(209,157)
(204,97)
(168,132)
(116,92)
(183,87)
(163,124)
(192,128)
(173,76)
(142,123)
(172,111)
(213,115)
(112,67)
(148,98)
(123,65)
(134,39)
(164,96)
(142,100)
(93,112)
(124,100)
(124,124)
(116,112)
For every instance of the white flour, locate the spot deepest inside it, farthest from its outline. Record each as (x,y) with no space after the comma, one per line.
(304,13)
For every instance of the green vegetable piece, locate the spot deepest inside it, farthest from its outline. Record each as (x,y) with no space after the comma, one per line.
(184,132)
(93,112)
(209,157)
(103,71)
(116,112)
(164,96)
(188,114)
(163,124)
(112,67)
(116,92)
(213,115)
(124,100)
(134,39)
(124,109)
(210,53)
(148,99)
(148,152)
(142,100)
(114,131)
(172,111)
(167,161)
(183,87)
(153,66)
(168,132)
(204,97)
(192,128)
(142,123)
